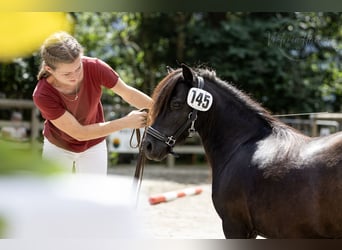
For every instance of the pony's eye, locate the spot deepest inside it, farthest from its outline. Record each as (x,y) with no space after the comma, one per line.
(175,105)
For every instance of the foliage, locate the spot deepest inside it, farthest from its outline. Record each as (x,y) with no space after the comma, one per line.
(290,62)
(2,228)
(108,36)
(18,77)
(266,54)
(16,161)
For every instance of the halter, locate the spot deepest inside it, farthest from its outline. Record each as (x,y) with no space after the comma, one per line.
(192,116)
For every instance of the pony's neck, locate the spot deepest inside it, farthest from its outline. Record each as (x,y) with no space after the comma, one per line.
(230,128)
(228,125)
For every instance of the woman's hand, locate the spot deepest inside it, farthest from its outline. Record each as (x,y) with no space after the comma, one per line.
(136,119)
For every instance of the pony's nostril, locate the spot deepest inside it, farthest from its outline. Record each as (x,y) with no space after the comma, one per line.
(148,146)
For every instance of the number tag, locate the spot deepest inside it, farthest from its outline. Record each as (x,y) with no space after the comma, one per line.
(199,99)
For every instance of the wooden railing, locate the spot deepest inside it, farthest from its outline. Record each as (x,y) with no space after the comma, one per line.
(312,125)
(35,125)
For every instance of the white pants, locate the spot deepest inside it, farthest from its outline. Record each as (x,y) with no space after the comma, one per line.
(92,161)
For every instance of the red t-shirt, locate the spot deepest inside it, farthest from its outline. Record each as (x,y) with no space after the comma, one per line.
(87,109)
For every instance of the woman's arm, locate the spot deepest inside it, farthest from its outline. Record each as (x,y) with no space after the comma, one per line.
(131,95)
(69,125)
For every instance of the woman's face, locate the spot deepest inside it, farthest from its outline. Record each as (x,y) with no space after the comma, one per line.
(68,73)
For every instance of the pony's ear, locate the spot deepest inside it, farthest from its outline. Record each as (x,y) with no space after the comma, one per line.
(187,73)
(169,69)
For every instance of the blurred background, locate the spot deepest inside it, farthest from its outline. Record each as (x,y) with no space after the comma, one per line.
(289,62)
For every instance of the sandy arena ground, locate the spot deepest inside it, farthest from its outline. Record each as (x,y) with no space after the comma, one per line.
(189,217)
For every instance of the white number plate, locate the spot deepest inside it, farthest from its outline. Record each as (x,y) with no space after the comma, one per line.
(199,99)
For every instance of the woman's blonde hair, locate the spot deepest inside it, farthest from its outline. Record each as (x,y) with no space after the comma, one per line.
(60,47)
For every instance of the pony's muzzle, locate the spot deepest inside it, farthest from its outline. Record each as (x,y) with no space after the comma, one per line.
(155,150)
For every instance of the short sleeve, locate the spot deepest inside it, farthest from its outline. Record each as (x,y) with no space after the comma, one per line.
(49,105)
(108,76)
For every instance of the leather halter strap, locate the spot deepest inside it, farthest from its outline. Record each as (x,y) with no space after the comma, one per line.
(192,116)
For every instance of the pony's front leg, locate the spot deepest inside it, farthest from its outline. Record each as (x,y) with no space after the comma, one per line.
(234,230)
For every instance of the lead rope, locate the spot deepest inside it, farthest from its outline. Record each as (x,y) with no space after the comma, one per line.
(139,168)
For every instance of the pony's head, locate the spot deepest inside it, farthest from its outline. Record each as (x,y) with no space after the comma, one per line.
(174,111)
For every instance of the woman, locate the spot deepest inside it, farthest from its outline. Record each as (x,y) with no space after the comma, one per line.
(68,95)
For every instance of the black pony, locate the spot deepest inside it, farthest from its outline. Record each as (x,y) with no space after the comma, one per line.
(267,178)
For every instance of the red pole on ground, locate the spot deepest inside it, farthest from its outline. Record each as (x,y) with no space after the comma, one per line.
(168,196)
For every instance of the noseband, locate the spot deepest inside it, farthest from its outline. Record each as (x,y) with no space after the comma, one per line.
(192,116)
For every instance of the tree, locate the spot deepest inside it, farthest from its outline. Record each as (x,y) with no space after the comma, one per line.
(266,55)
(290,62)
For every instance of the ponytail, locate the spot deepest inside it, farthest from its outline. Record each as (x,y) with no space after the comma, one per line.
(43,73)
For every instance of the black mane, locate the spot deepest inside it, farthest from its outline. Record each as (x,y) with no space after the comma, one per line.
(246,100)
